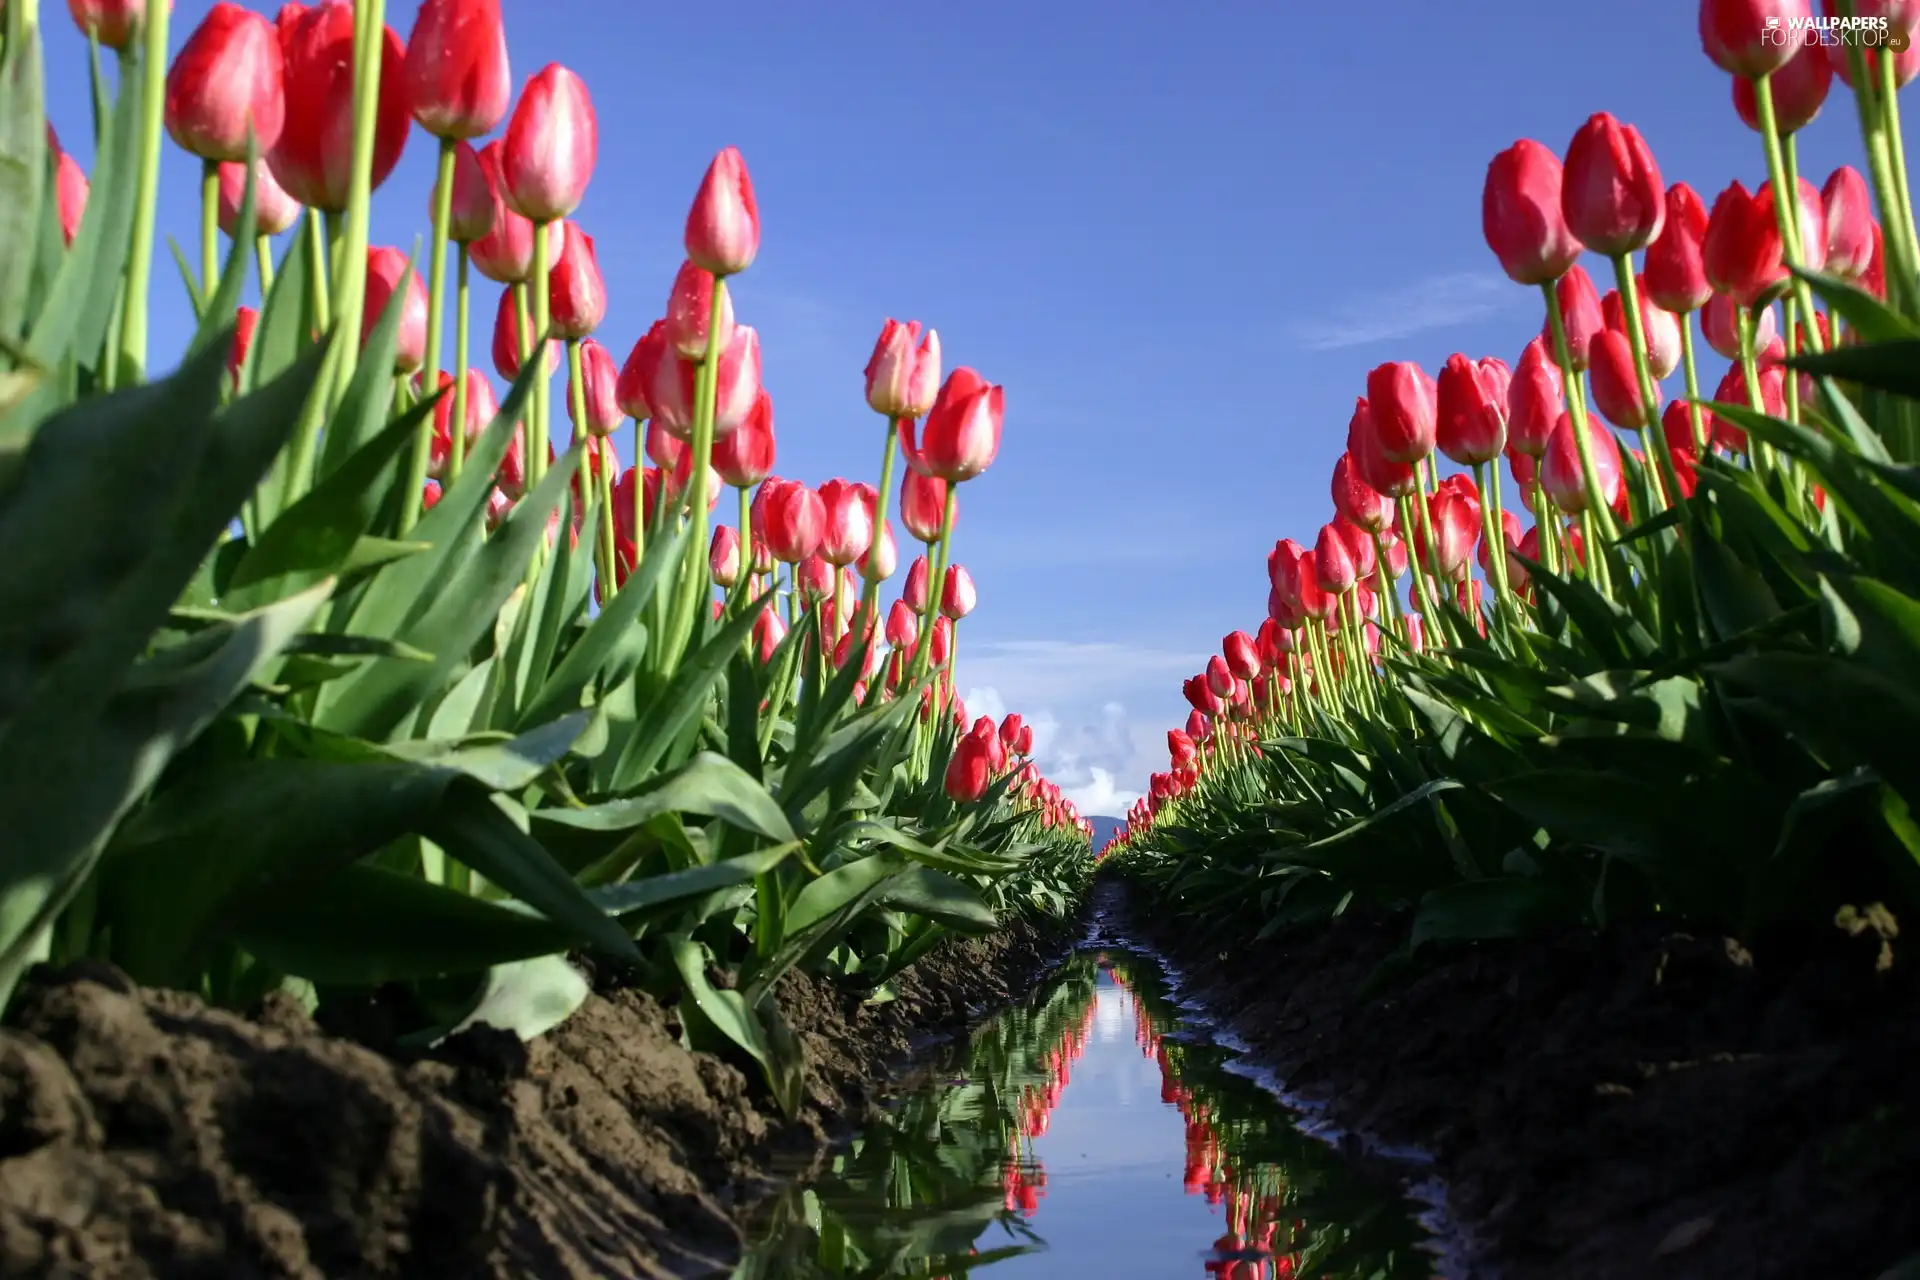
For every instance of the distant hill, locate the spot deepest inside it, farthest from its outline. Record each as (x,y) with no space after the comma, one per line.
(1104,829)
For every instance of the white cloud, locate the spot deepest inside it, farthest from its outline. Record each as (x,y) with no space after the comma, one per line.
(1101,796)
(1439,302)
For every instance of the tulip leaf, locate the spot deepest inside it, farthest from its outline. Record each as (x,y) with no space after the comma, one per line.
(685,696)
(1892,366)
(1479,910)
(709,784)
(527,997)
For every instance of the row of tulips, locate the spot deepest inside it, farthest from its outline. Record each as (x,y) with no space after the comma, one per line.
(1682,685)
(943,1185)
(311,692)
(1278,1190)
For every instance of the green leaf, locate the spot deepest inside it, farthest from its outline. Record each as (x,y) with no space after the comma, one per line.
(528,997)
(708,784)
(1478,910)
(685,697)
(942,898)
(1888,366)
(24,171)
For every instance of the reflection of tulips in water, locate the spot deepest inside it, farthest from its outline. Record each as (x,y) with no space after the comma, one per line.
(1243,1155)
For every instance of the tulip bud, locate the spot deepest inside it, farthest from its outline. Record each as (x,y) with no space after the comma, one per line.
(923,505)
(113,23)
(1616,384)
(1219,678)
(70,191)
(457,78)
(1356,501)
(670,392)
(768,632)
(482,409)
(504,252)
(245,322)
(794,520)
(1742,249)
(903,625)
(1402,398)
(958,597)
(1676,277)
(848,529)
(1579,305)
(1242,655)
(941,649)
(813,579)
(1799,91)
(551,146)
(1735,34)
(471,211)
(509,339)
(915,591)
(1902,19)
(903,379)
(723,557)
(961,435)
(1659,327)
(386,268)
(598,376)
(1520,214)
(1848,210)
(1560,472)
(1387,478)
(969,773)
(1719,323)
(274,211)
(1612,194)
(226,86)
(744,456)
(1813,225)
(576,293)
(690,313)
(723,226)
(313,158)
(882,557)
(1470,419)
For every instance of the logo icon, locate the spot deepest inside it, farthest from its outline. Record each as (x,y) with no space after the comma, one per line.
(1773,24)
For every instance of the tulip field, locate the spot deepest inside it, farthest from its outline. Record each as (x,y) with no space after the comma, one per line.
(340,675)
(1685,683)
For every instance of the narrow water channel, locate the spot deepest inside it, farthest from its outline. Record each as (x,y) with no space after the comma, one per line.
(1092,1131)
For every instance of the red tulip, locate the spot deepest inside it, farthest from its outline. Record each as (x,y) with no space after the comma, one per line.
(848,530)
(681,473)
(813,579)
(274,211)
(723,556)
(1579,305)
(882,558)
(246,320)
(1616,386)
(723,226)
(1356,501)
(385,269)
(1659,327)
(1812,227)
(1612,194)
(1676,277)
(1742,250)
(70,191)
(313,159)
(1242,655)
(1453,517)
(1293,573)
(1799,90)
(1219,678)
(958,597)
(598,377)
(1510,536)
(1333,565)
(1520,213)
(1370,463)
(961,435)
(1902,18)
(509,340)
(456,69)
(744,456)
(923,505)
(1560,472)
(902,378)
(915,590)
(551,146)
(1718,324)
(969,773)
(504,254)
(690,313)
(794,521)
(226,86)
(114,23)
(903,625)
(670,389)
(1401,397)
(1848,209)
(1471,420)
(472,211)
(482,409)
(576,292)
(768,632)
(1733,390)
(1180,747)
(1749,37)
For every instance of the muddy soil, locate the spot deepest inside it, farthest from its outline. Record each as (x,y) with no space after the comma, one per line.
(1647,1104)
(144,1134)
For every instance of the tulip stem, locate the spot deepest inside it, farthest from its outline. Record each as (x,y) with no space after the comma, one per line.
(936,582)
(1388,585)
(146,201)
(1666,487)
(870,592)
(1546,527)
(1896,145)
(609,546)
(263,255)
(1583,441)
(350,298)
(1410,534)
(1494,532)
(209,232)
(1694,418)
(1757,450)
(534,338)
(1786,198)
(695,579)
(436,321)
(457,434)
(585,471)
(319,272)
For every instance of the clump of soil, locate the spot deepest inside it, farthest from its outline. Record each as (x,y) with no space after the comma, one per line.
(1644,1104)
(143,1134)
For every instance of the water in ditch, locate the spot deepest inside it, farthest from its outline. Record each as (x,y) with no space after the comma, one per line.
(1092,1131)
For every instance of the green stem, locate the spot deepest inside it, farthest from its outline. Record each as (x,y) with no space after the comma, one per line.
(1694,418)
(319,272)
(1493,531)
(1667,486)
(209,231)
(146,200)
(1786,199)
(936,581)
(870,593)
(1388,586)
(436,322)
(1758,454)
(696,575)
(526,313)
(350,297)
(263,256)
(1896,149)
(1576,396)
(457,431)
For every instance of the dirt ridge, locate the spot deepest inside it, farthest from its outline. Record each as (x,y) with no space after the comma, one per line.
(144,1134)
(1644,1104)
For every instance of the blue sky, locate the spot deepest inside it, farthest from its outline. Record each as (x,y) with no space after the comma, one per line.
(1179,235)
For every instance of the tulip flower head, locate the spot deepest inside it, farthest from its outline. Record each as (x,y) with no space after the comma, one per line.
(1520,214)
(1560,472)
(113,23)
(313,158)
(1799,90)
(958,597)
(1402,398)
(1735,34)
(503,253)
(923,505)
(723,226)
(961,435)
(1612,194)
(1470,413)
(388,269)
(457,77)
(903,374)
(1742,250)
(690,313)
(1676,277)
(576,293)
(274,211)
(745,456)
(551,146)
(1849,223)
(598,378)
(227,88)
(1579,305)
